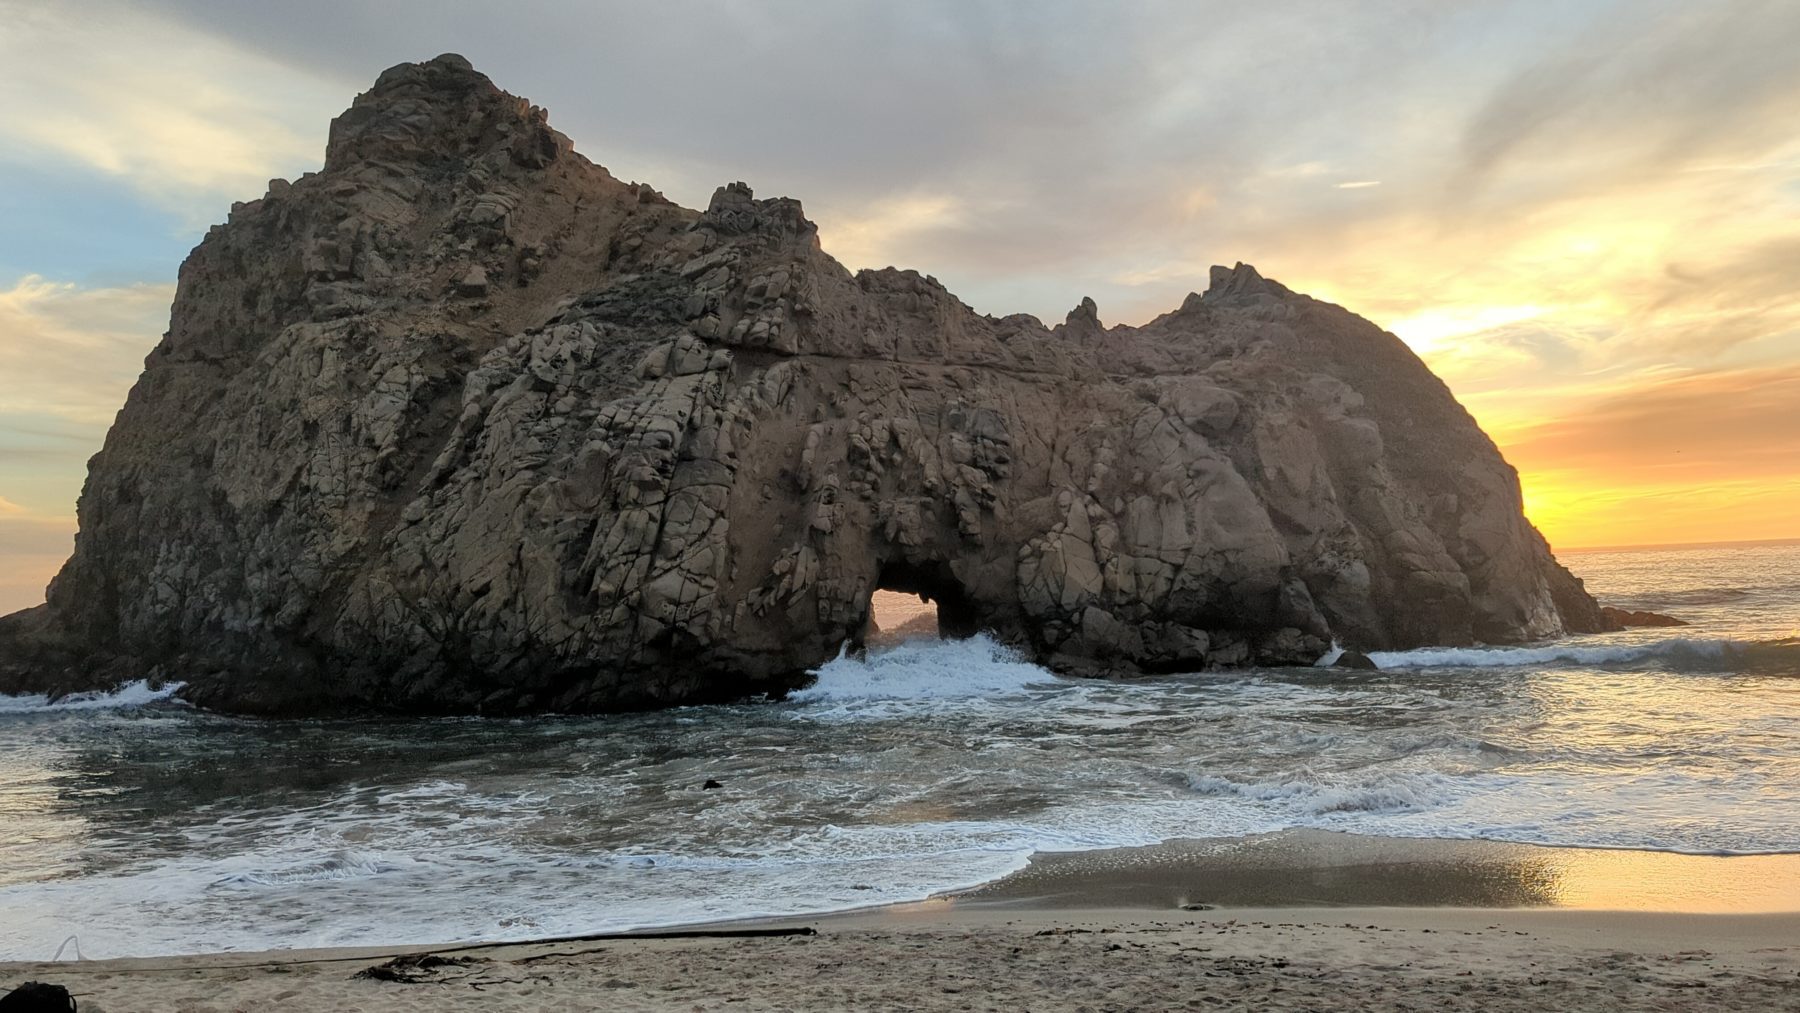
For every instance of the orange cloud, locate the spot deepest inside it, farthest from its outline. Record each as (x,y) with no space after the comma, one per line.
(1695,427)
(1685,457)
(100,90)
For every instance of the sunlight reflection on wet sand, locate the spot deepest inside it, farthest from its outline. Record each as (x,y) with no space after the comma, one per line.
(1309,868)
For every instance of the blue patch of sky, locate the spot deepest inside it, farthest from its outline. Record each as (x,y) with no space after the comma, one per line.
(71,224)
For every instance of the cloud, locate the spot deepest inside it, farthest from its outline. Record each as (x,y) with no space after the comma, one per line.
(868,238)
(71,353)
(1644,86)
(1691,426)
(1685,456)
(68,355)
(187,120)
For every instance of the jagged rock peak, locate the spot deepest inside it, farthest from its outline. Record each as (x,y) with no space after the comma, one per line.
(1084,320)
(734,209)
(442,107)
(1241,281)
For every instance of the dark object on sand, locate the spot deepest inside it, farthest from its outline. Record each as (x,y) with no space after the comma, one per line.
(710,785)
(413,968)
(1620,619)
(38,997)
(1356,660)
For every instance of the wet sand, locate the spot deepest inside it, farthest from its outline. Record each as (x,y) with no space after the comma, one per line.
(1301,868)
(1108,931)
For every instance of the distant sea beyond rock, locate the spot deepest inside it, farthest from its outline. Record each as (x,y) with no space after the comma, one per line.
(462,423)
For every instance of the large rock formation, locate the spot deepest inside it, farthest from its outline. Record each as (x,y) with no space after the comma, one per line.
(462,423)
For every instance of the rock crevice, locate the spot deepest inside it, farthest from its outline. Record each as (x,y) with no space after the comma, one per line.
(464,423)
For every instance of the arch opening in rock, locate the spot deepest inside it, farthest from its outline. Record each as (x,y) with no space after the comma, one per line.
(912,600)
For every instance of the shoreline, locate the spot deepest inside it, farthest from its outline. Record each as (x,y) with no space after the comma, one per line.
(1293,869)
(1278,959)
(1300,917)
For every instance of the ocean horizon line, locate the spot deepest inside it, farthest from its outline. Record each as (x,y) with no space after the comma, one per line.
(1745,543)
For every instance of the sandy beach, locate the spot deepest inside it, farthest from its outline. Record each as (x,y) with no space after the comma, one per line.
(1116,930)
(980,959)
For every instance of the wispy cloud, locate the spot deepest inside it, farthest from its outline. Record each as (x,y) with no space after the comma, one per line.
(67,357)
(1695,426)
(72,353)
(870,237)
(1655,84)
(1686,456)
(188,120)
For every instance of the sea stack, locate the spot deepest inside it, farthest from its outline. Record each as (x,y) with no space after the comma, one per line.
(462,423)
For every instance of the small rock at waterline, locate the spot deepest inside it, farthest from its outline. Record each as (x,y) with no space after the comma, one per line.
(1357,660)
(710,785)
(1620,619)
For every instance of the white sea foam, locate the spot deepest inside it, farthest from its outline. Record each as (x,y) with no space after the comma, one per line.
(338,865)
(135,694)
(1406,792)
(438,885)
(978,667)
(1556,654)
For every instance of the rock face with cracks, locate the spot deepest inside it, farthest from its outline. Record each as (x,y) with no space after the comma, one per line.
(464,423)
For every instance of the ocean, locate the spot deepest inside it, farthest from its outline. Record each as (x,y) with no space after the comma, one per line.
(139,826)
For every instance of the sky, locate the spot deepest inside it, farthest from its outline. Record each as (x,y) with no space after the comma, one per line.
(1585,216)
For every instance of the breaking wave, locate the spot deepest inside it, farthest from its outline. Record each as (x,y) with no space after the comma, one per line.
(1399,793)
(1765,657)
(978,667)
(135,694)
(339,865)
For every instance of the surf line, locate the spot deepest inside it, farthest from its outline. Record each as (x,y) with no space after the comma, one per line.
(592,937)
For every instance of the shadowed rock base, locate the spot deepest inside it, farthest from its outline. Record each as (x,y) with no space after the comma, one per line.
(463,423)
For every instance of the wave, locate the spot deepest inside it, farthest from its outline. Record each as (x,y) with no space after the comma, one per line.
(130,695)
(339,865)
(1772,657)
(1763,657)
(1403,793)
(978,666)
(1550,654)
